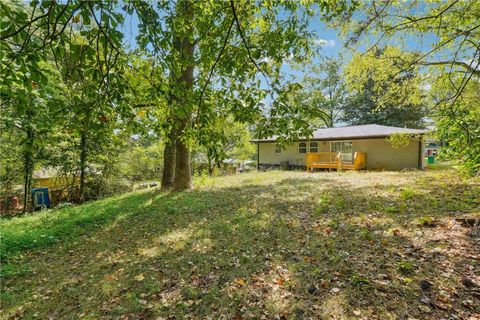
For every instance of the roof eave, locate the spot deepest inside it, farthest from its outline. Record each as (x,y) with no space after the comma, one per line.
(337,138)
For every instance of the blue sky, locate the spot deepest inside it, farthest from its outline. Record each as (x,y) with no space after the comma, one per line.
(327,38)
(330,43)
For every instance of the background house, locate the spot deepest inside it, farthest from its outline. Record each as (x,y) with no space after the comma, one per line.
(369,139)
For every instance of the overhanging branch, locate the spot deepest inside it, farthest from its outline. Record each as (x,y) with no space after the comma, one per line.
(242,36)
(462,64)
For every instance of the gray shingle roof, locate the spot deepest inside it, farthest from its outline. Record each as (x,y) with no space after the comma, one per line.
(355,132)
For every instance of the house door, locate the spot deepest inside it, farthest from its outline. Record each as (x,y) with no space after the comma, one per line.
(345,148)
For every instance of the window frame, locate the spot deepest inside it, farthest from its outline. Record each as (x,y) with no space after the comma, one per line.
(350,156)
(276,146)
(310,146)
(306,147)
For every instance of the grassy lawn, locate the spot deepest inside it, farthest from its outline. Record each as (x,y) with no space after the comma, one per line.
(272,245)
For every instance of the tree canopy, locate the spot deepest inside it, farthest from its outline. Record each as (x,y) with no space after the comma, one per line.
(202,62)
(384,91)
(440,38)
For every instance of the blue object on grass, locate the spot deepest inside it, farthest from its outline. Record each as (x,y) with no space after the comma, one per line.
(40,198)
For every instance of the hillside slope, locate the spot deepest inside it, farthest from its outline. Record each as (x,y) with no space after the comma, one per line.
(285,245)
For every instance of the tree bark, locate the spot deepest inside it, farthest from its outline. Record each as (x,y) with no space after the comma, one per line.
(183,173)
(210,166)
(28,168)
(168,172)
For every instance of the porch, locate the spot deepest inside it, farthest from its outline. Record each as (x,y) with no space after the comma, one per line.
(334,160)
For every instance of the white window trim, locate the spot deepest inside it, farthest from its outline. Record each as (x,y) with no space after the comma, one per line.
(318,146)
(306,147)
(351,141)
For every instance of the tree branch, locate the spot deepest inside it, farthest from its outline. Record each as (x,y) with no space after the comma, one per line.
(225,41)
(462,64)
(237,22)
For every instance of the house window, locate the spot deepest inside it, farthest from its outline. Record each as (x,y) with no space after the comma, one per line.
(278,148)
(313,146)
(345,148)
(302,147)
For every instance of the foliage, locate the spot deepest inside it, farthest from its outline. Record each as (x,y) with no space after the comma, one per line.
(28,112)
(450,57)
(233,141)
(398,140)
(286,119)
(317,101)
(10,161)
(32,33)
(393,81)
(141,160)
(240,146)
(454,23)
(324,89)
(384,91)
(63,93)
(458,124)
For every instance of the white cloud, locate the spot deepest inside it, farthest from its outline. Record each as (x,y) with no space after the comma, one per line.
(265,60)
(325,42)
(288,58)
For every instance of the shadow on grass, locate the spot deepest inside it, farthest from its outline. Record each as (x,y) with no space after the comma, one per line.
(41,229)
(305,247)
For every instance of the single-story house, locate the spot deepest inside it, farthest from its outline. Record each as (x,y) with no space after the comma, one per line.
(353,147)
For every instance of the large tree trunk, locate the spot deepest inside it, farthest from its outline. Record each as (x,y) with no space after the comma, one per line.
(183,174)
(168,173)
(211,165)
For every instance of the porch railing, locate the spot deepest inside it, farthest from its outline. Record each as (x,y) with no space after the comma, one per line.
(333,160)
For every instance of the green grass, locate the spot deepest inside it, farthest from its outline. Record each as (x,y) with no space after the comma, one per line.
(40,229)
(248,246)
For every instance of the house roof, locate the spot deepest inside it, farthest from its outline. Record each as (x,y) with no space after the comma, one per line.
(45,173)
(355,132)
(52,172)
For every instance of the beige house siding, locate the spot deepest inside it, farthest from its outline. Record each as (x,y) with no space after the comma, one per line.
(267,155)
(380,153)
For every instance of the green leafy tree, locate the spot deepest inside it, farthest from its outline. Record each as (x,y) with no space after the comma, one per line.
(10,158)
(458,124)
(209,55)
(446,34)
(28,111)
(454,23)
(324,94)
(141,160)
(95,102)
(49,51)
(233,142)
(222,60)
(384,91)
